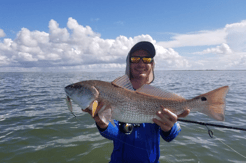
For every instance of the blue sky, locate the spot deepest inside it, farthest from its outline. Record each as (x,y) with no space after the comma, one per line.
(94,35)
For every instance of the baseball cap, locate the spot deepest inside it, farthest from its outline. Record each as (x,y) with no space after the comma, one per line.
(144,45)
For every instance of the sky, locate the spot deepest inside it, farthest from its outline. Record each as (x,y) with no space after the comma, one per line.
(96,35)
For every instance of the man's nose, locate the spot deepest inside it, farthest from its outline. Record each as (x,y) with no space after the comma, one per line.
(141,62)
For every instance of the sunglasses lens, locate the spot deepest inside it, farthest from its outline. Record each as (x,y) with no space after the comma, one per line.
(147,60)
(135,59)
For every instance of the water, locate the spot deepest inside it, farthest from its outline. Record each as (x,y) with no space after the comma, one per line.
(36,126)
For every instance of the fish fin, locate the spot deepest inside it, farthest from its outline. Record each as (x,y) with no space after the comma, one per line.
(102,109)
(105,115)
(214,103)
(123,82)
(154,91)
(69,104)
(112,121)
(94,107)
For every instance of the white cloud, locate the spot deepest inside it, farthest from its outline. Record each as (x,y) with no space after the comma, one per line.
(227,47)
(200,38)
(57,34)
(236,36)
(2,34)
(169,59)
(75,46)
(232,34)
(78,47)
(221,49)
(235,40)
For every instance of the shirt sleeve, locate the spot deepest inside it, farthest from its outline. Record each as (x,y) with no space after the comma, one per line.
(111,132)
(169,136)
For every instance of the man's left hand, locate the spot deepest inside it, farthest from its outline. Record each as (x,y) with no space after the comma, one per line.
(168,119)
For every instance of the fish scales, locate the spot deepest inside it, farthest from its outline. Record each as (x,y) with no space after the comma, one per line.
(134,107)
(140,107)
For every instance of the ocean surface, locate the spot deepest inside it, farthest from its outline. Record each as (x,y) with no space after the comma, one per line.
(36,126)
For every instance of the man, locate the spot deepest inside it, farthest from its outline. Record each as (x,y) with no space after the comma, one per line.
(140,142)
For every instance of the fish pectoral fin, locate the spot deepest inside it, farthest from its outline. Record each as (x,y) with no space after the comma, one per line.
(69,104)
(112,121)
(105,115)
(158,92)
(123,82)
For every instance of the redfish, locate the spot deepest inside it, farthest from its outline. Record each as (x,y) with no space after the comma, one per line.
(121,102)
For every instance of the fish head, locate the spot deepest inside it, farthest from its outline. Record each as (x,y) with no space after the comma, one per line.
(82,93)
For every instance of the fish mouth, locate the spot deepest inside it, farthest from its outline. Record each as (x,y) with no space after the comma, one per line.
(67,90)
(68,95)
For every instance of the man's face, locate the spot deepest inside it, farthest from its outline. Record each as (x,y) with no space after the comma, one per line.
(140,70)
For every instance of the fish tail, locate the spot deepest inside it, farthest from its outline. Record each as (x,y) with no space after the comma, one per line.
(213,103)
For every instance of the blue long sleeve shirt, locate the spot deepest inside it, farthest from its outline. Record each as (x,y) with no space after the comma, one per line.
(142,145)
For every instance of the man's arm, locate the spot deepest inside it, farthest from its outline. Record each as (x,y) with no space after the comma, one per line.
(106,130)
(111,132)
(170,135)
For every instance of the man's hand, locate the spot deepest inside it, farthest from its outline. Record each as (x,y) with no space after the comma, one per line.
(97,119)
(168,119)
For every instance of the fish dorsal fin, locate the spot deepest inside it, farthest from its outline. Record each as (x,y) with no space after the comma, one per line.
(154,91)
(123,82)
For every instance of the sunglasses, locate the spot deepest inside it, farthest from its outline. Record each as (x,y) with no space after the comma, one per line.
(145,60)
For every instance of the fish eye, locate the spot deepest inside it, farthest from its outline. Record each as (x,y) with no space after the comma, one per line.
(203,98)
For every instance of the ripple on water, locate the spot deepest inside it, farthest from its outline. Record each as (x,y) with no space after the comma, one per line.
(36,125)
